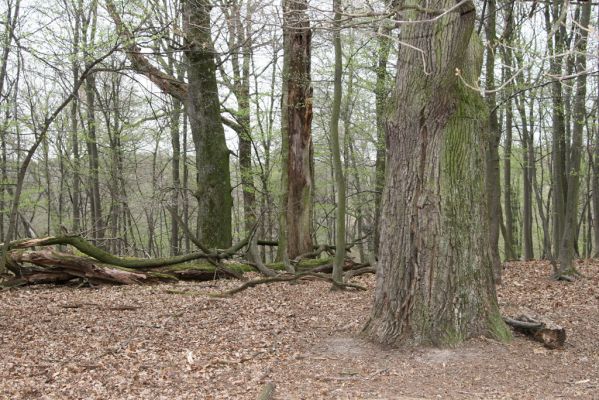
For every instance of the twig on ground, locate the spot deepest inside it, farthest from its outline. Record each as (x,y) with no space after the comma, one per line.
(288,278)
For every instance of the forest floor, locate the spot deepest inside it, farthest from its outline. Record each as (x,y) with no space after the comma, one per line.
(154,342)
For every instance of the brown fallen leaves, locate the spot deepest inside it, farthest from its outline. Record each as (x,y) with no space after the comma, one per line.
(175,342)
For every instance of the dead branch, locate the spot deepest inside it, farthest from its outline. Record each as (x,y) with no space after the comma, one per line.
(286,277)
(360,271)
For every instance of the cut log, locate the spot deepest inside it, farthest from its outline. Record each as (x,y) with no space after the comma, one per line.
(541,329)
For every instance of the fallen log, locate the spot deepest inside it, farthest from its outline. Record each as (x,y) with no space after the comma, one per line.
(541,329)
(51,266)
(95,265)
(61,267)
(126,262)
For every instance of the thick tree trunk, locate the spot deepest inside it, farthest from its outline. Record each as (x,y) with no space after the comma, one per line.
(434,276)
(212,155)
(298,107)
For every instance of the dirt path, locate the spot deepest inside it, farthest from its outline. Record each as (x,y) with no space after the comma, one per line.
(145,343)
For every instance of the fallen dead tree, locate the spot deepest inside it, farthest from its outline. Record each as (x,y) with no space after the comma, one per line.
(35,261)
(95,265)
(541,329)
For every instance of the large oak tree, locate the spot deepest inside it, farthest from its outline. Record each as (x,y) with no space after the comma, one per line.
(434,276)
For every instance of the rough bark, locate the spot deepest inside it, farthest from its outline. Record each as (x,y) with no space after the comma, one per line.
(434,275)
(212,155)
(298,107)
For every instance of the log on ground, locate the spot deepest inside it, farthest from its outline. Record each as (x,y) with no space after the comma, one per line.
(541,329)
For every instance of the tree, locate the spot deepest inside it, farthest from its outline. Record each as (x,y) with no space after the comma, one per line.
(556,37)
(240,41)
(212,155)
(337,165)
(492,180)
(297,152)
(570,222)
(12,15)
(434,275)
(200,94)
(381,94)
(88,36)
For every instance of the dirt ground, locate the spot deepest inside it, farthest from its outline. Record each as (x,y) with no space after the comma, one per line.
(150,342)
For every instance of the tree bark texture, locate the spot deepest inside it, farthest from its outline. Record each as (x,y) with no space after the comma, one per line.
(298,37)
(434,275)
(212,155)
